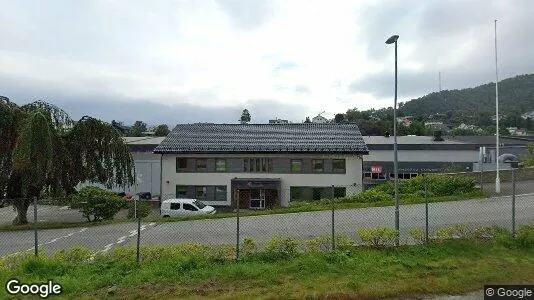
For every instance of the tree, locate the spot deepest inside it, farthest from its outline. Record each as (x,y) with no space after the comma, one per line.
(528,158)
(44,150)
(245,116)
(137,129)
(339,118)
(307,120)
(161,130)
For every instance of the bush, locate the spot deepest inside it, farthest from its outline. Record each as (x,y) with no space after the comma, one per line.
(143,209)
(371,195)
(75,255)
(324,243)
(525,236)
(248,246)
(280,247)
(379,237)
(98,203)
(445,233)
(418,235)
(437,186)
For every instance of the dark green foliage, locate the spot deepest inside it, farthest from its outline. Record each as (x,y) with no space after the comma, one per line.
(137,129)
(245,117)
(161,130)
(143,209)
(369,196)
(379,237)
(44,151)
(525,236)
(528,158)
(437,185)
(97,203)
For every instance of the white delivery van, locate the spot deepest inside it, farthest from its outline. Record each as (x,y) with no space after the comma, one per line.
(185,207)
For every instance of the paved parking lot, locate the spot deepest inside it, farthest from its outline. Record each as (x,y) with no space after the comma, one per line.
(492,211)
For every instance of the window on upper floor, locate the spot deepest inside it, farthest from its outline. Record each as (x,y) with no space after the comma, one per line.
(201,164)
(181,164)
(220,165)
(258,165)
(296,165)
(317,165)
(338,166)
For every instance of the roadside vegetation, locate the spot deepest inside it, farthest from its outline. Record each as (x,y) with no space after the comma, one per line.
(440,188)
(458,261)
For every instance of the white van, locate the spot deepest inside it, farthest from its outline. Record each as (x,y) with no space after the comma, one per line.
(185,207)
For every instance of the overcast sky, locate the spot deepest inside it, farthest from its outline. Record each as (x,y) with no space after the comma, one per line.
(183,61)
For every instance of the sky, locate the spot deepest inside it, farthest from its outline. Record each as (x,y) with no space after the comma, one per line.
(178,61)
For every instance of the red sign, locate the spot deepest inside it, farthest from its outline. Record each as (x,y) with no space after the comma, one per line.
(376,169)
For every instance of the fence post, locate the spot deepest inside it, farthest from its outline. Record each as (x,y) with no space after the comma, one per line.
(333,221)
(36,240)
(482,176)
(237,232)
(513,202)
(138,235)
(426,207)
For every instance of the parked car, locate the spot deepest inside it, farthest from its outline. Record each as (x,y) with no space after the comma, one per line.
(185,207)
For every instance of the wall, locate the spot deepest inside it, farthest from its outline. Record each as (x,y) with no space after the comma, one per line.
(424,155)
(352,179)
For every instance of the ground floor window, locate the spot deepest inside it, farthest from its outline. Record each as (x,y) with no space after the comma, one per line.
(340,192)
(312,193)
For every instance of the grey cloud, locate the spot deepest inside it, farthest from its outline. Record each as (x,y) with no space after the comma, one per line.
(247,14)
(109,107)
(441,27)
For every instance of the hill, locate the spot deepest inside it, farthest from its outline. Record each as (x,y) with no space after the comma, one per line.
(516,96)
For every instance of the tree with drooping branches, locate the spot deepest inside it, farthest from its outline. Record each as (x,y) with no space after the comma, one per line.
(44,151)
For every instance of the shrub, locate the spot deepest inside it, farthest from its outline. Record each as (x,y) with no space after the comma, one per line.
(371,195)
(324,243)
(445,233)
(73,256)
(248,246)
(282,247)
(418,235)
(461,231)
(482,233)
(143,209)
(379,237)
(525,236)
(98,203)
(437,185)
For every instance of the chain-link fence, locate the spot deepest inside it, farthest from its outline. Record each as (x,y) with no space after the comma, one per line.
(324,218)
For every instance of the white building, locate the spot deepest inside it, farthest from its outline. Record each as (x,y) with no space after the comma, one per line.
(319,119)
(262,165)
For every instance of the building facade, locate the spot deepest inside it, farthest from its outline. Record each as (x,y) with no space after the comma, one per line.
(261,165)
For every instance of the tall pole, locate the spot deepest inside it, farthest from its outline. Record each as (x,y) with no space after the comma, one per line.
(395,162)
(497,178)
(439,75)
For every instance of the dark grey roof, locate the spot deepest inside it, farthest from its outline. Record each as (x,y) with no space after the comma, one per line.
(264,138)
(491,140)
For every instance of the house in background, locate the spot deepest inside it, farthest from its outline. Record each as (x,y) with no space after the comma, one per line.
(262,165)
(278,121)
(319,119)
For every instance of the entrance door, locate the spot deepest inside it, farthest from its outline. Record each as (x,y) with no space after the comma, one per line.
(257,199)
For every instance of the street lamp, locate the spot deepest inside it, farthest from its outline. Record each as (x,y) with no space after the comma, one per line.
(393,40)
(497,179)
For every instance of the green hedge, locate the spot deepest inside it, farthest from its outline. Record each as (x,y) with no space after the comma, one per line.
(437,185)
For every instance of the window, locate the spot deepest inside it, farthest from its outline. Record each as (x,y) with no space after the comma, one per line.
(339,192)
(338,166)
(367,175)
(200,192)
(201,164)
(316,192)
(181,191)
(296,165)
(190,207)
(175,206)
(199,204)
(318,165)
(295,193)
(220,165)
(220,193)
(258,165)
(181,164)
(257,198)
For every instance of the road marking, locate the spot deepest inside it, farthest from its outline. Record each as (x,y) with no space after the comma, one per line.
(121,239)
(83,229)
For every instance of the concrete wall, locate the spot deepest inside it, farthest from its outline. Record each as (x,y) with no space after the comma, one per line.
(352,179)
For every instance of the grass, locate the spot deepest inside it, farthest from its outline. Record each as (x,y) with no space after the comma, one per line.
(450,267)
(295,207)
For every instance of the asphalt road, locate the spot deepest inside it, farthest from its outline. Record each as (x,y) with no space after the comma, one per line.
(492,211)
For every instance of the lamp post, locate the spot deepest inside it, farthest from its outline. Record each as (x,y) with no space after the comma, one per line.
(393,40)
(497,178)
